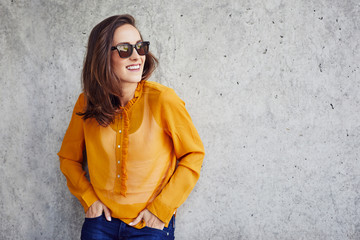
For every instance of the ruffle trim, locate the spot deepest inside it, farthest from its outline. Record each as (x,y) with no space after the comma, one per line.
(137,94)
(124,177)
(125,143)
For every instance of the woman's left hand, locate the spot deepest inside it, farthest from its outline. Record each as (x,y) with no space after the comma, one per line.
(150,220)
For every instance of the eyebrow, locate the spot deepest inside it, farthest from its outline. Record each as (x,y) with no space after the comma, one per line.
(128,42)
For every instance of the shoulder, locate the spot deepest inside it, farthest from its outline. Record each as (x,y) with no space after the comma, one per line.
(155,88)
(162,94)
(81,102)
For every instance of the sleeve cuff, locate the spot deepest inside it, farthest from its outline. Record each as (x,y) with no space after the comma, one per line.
(89,197)
(162,211)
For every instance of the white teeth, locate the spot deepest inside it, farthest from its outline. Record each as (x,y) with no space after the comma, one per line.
(133,67)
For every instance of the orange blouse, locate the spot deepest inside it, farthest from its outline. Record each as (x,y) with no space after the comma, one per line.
(149,157)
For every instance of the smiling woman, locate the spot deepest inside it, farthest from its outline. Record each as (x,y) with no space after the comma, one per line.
(104,77)
(144,153)
(128,65)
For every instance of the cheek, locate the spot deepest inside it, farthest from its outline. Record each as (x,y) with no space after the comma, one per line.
(117,63)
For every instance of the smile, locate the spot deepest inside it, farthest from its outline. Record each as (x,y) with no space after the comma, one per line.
(133,67)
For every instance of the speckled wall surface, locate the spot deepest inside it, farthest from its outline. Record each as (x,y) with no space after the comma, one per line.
(272,86)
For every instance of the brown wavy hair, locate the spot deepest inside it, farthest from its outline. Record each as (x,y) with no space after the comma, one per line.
(100,84)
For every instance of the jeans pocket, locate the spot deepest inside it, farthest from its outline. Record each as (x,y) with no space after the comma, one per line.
(158,231)
(95,228)
(166,231)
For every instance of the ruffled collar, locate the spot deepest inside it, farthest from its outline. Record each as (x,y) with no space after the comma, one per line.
(137,94)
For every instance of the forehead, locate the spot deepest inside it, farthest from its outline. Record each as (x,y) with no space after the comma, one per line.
(126,33)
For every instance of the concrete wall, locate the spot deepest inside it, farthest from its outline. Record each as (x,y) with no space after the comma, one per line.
(272,86)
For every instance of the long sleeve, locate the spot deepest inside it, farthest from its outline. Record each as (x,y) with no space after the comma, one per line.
(189,152)
(71,158)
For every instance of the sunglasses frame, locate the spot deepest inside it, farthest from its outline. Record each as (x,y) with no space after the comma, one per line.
(132,46)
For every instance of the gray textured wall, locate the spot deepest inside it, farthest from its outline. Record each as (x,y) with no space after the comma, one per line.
(272,86)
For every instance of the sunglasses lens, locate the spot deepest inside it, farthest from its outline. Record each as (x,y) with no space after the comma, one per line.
(142,48)
(124,50)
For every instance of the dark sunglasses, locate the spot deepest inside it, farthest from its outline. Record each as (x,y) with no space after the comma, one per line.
(126,49)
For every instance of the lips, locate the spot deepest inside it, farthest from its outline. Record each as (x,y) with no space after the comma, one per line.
(133,67)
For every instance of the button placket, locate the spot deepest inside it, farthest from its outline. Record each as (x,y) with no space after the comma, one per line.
(120,131)
(121,153)
(118,146)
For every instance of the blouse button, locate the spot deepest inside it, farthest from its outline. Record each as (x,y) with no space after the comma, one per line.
(118,176)
(119,162)
(118,146)
(119,131)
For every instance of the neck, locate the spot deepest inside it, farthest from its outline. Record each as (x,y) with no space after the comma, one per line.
(128,92)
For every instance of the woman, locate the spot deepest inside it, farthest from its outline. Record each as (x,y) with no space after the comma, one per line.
(144,154)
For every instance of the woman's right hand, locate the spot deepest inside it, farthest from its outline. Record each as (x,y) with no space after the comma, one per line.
(96,209)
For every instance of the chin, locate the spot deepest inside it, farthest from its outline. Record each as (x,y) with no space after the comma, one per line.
(132,80)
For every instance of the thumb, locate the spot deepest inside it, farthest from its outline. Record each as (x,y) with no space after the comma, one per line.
(107,213)
(137,219)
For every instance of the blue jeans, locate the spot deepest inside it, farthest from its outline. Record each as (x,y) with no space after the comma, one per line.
(99,228)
